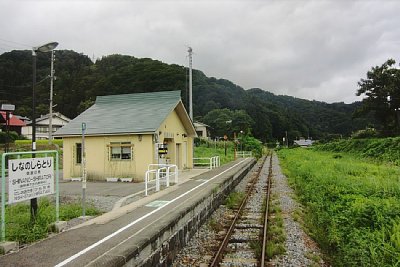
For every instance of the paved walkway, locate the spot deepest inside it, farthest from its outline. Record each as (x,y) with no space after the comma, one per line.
(121,190)
(127,230)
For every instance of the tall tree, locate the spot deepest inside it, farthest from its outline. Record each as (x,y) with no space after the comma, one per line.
(382,91)
(226,122)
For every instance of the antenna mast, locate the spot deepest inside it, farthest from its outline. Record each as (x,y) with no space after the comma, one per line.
(190,83)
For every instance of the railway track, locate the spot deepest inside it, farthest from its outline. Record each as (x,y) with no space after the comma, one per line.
(244,243)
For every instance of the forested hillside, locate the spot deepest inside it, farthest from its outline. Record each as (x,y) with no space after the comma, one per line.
(79,81)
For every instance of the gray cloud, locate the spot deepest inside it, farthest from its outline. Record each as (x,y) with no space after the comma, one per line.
(308,49)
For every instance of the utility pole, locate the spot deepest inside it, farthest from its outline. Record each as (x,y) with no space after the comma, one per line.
(190,96)
(287,141)
(51,98)
(190,84)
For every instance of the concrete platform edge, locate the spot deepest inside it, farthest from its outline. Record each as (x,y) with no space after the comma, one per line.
(163,245)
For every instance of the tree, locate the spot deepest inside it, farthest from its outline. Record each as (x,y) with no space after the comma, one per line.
(220,121)
(241,121)
(226,122)
(382,91)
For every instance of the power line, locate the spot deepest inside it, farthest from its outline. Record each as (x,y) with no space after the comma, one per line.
(24,86)
(17,43)
(13,94)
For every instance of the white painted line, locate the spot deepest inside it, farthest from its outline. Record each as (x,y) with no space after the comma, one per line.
(118,204)
(157,203)
(200,180)
(82,252)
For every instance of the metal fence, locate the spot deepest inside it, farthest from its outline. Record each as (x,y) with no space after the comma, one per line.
(243,154)
(209,163)
(160,173)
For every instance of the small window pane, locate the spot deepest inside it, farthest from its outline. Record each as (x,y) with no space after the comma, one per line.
(126,152)
(78,153)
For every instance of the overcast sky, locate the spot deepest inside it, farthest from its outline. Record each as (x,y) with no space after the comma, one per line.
(308,49)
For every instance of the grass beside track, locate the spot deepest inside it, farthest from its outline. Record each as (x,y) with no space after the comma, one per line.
(19,226)
(352,206)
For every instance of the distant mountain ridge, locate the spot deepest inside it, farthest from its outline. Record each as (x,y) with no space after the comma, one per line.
(79,81)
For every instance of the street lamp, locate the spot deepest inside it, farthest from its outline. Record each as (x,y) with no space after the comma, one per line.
(44,48)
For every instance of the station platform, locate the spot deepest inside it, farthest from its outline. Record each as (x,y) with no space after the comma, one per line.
(146,232)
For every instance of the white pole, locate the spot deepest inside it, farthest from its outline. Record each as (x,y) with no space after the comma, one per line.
(83,159)
(190,84)
(51,97)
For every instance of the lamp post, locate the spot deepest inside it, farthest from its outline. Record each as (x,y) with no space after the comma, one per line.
(44,48)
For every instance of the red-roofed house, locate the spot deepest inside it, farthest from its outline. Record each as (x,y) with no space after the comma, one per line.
(15,123)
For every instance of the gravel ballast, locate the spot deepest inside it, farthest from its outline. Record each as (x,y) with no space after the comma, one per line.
(301,250)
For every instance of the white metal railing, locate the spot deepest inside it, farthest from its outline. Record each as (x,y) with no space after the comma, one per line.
(159,173)
(209,163)
(243,154)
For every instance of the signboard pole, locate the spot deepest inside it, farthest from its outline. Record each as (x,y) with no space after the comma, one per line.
(3,198)
(83,171)
(57,190)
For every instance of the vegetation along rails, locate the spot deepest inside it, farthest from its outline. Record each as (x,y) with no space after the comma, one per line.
(241,244)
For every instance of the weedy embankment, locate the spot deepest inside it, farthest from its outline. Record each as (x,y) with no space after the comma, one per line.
(352,206)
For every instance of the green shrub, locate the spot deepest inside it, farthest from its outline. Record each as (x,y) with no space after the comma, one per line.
(10,137)
(367,133)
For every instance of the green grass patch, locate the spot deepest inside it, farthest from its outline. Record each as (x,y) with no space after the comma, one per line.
(58,142)
(19,226)
(351,205)
(275,233)
(234,200)
(376,149)
(205,151)
(215,225)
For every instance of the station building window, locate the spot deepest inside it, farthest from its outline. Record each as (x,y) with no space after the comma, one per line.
(120,151)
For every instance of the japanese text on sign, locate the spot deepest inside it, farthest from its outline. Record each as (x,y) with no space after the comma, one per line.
(30,178)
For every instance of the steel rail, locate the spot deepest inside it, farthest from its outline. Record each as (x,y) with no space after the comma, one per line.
(218,256)
(264,241)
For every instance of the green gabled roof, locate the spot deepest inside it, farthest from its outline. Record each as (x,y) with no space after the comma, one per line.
(127,113)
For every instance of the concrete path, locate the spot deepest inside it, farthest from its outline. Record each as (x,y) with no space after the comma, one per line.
(116,230)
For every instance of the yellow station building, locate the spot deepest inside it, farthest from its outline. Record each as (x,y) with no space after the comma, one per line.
(125,133)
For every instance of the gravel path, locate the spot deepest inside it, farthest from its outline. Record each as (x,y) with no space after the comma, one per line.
(301,250)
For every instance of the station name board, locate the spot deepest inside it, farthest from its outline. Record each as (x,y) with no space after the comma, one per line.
(30,178)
